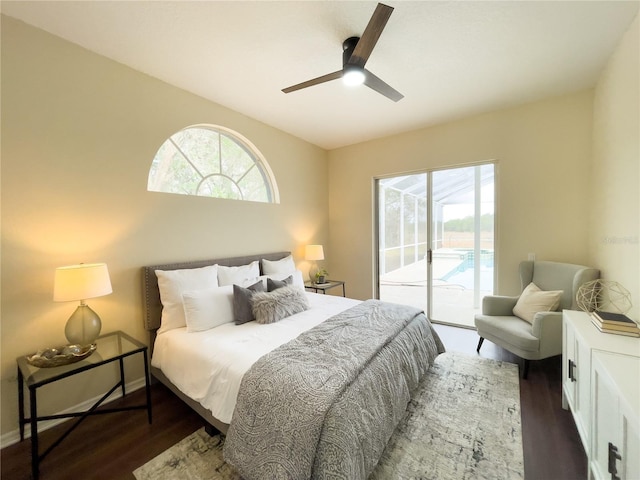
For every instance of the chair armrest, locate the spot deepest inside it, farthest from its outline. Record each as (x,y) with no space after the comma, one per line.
(498,305)
(547,327)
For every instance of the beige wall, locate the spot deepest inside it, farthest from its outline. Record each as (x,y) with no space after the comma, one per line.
(542,151)
(79,132)
(78,135)
(614,201)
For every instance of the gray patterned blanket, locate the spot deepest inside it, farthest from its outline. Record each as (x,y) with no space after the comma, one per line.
(325,404)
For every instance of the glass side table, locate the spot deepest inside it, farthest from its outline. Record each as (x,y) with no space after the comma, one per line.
(111,347)
(323,287)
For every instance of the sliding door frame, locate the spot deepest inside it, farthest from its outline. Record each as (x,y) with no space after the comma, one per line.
(429,223)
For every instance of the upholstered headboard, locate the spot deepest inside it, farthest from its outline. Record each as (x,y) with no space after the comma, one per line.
(151,294)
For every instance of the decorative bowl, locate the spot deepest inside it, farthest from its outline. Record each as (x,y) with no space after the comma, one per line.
(57,356)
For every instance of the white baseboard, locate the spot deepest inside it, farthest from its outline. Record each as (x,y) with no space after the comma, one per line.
(14,436)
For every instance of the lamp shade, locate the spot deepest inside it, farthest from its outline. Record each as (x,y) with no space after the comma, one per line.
(314,252)
(79,282)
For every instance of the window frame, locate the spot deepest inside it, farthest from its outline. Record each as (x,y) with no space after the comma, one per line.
(259,162)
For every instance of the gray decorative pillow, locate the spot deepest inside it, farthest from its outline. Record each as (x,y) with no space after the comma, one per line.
(271,307)
(242,311)
(275,284)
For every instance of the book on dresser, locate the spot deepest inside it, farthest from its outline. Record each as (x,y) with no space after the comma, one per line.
(616,323)
(614,318)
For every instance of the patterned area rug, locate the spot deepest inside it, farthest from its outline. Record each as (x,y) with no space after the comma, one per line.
(463,423)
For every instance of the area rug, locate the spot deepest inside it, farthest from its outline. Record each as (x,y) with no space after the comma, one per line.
(462,423)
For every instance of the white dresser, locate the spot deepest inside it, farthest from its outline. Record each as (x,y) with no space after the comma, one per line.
(601,386)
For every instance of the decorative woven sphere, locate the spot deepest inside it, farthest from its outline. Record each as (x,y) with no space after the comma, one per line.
(603,295)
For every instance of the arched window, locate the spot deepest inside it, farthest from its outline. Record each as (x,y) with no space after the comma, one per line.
(212,161)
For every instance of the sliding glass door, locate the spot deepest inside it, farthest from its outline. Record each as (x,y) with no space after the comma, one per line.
(402,238)
(435,241)
(462,246)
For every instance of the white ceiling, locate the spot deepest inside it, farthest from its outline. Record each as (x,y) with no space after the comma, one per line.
(450,59)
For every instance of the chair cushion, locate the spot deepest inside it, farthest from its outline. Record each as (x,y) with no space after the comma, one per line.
(512,333)
(534,300)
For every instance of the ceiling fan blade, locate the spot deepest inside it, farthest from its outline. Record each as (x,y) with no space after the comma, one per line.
(371,34)
(309,83)
(381,87)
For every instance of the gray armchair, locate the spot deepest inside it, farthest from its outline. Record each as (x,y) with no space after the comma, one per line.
(543,337)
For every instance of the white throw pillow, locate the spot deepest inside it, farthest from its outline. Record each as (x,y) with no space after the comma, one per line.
(241,275)
(172,283)
(285,265)
(534,300)
(206,309)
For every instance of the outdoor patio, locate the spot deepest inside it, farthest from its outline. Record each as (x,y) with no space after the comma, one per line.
(452,287)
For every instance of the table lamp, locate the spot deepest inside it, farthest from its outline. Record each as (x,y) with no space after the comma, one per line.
(80,282)
(313,253)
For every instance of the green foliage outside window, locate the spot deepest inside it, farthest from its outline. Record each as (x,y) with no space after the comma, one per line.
(467,224)
(212,162)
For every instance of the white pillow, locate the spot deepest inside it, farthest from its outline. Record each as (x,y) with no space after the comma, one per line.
(241,275)
(534,300)
(172,283)
(285,265)
(298,280)
(205,309)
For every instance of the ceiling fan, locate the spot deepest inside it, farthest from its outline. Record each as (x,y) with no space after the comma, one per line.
(356,52)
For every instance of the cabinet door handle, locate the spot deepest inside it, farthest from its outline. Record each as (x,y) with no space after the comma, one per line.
(613,456)
(570,368)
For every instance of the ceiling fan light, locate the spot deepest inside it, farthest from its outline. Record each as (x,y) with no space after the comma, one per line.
(353,76)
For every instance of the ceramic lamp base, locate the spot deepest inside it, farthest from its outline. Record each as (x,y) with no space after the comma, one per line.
(83,327)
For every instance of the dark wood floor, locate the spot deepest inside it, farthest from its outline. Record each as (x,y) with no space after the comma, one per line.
(112,446)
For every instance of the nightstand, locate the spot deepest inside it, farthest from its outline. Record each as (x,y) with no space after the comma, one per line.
(112,347)
(323,287)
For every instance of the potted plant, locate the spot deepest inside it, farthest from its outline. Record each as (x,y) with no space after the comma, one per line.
(321,275)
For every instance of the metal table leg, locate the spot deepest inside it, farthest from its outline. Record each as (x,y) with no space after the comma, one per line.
(147,385)
(21,403)
(35,458)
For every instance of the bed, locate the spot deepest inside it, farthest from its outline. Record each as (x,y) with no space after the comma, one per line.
(315,394)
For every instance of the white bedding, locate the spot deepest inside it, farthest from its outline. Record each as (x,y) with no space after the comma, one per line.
(208,366)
